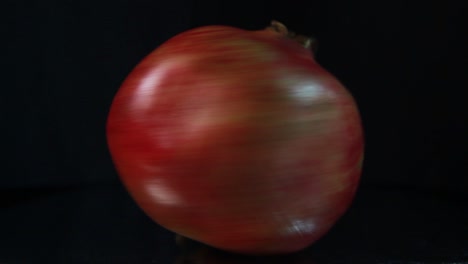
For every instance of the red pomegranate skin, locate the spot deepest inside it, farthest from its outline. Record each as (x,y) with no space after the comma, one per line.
(237,139)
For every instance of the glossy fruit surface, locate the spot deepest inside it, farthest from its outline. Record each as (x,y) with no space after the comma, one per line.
(237,139)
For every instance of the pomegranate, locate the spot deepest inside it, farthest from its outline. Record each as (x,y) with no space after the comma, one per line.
(238,139)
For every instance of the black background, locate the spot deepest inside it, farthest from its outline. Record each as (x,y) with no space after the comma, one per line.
(405,62)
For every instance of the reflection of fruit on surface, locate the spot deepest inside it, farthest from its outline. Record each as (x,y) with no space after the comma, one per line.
(198,253)
(237,139)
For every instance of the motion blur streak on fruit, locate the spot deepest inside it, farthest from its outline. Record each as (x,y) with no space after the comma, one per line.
(237,139)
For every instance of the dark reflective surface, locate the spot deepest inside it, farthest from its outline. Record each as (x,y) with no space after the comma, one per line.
(101,224)
(201,254)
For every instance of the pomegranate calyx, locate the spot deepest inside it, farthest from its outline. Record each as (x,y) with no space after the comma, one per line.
(307,42)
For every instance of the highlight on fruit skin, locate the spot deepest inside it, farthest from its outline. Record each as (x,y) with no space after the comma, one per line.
(238,139)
